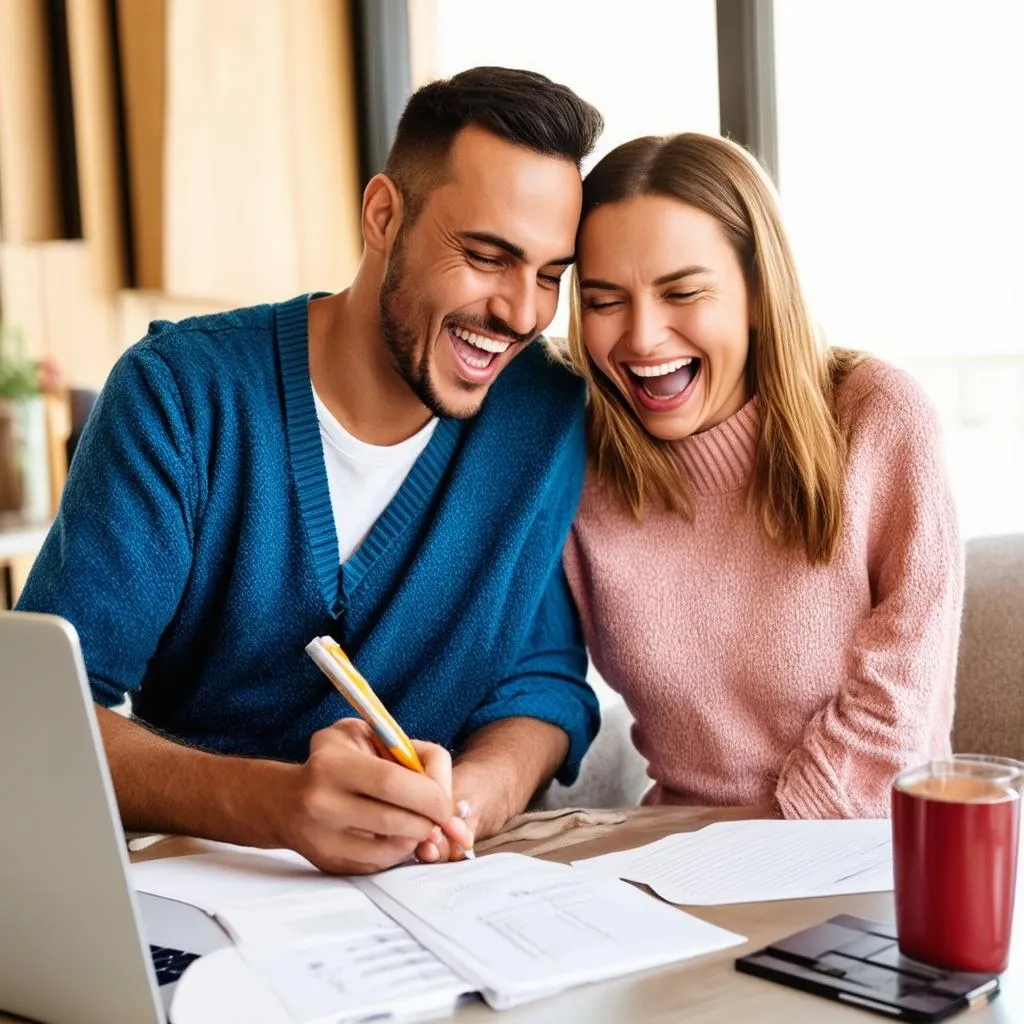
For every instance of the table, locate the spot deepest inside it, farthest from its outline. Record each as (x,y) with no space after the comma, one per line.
(707,990)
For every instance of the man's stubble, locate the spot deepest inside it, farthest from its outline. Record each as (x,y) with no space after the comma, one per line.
(399,309)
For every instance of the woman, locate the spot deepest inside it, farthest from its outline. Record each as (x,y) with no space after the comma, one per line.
(766,559)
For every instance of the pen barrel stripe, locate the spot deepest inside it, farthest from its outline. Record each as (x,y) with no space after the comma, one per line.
(338,667)
(387,736)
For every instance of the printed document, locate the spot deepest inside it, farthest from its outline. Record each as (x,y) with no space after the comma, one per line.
(519,928)
(319,944)
(411,941)
(753,861)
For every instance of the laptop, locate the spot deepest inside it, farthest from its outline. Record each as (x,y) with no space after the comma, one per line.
(77,944)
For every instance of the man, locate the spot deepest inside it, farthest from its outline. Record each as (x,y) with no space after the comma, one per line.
(351,465)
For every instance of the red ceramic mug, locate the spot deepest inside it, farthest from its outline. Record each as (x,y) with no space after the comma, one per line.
(955,832)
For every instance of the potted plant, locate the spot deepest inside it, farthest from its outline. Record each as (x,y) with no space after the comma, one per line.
(24,457)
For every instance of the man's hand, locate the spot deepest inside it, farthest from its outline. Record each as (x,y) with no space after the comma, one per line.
(351,811)
(347,809)
(502,766)
(473,797)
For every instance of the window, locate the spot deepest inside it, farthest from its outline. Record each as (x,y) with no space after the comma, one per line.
(901,139)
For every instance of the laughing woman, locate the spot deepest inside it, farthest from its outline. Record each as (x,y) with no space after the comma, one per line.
(766,559)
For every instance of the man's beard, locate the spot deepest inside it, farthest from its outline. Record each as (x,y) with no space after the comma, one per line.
(397,311)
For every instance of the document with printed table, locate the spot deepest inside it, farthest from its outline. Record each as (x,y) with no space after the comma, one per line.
(411,942)
(309,947)
(518,928)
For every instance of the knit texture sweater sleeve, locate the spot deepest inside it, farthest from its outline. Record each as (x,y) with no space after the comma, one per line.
(119,554)
(901,663)
(548,680)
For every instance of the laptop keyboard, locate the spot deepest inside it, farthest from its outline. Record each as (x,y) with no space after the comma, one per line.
(170,963)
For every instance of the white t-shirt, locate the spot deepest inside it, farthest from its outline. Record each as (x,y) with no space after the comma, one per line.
(363,478)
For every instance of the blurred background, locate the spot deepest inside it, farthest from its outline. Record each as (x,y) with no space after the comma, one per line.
(160,158)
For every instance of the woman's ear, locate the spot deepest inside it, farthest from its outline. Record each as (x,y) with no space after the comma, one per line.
(382,214)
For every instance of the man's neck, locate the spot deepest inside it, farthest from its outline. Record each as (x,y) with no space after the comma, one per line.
(353,373)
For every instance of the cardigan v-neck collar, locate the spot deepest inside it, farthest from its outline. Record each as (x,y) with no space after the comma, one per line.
(309,472)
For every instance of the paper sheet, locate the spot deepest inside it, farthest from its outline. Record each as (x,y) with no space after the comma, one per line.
(375,969)
(327,952)
(230,876)
(512,927)
(753,861)
(520,928)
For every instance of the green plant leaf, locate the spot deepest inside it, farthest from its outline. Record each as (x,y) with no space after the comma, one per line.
(19,375)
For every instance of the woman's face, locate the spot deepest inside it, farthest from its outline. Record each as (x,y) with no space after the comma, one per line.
(666,315)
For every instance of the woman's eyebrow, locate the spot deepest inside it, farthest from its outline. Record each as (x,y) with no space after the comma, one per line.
(596,282)
(689,271)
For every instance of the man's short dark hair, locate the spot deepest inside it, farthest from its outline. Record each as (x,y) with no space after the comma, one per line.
(522,107)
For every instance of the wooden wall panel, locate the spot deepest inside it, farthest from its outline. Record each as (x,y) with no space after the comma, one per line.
(142,28)
(48,290)
(29,193)
(323,136)
(262,178)
(96,139)
(21,294)
(79,317)
(229,216)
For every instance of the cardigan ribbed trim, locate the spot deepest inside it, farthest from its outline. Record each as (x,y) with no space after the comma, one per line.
(406,507)
(305,449)
(309,471)
(721,460)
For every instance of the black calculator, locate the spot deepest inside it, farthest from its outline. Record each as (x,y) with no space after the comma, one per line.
(858,962)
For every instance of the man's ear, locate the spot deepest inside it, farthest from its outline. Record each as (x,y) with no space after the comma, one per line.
(382,214)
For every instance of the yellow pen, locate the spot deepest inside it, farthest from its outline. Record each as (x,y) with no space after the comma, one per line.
(349,681)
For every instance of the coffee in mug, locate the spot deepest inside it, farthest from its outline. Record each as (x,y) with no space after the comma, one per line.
(955,831)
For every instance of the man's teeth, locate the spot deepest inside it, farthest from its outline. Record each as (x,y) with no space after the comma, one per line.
(661,368)
(479,341)
(480,364)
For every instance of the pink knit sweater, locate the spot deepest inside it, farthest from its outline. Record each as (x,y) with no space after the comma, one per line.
(755,679)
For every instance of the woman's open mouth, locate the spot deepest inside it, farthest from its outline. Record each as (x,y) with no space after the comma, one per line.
(664,387)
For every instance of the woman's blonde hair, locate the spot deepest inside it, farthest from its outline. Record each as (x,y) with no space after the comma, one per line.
(797,486)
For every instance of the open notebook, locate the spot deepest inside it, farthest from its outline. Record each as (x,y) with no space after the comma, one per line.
(411,942)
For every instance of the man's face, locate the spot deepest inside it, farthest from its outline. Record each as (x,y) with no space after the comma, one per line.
(476,277)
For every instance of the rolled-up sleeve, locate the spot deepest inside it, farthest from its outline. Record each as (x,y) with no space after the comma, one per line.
(548,679)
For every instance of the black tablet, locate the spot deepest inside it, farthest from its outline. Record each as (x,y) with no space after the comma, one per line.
(858,962)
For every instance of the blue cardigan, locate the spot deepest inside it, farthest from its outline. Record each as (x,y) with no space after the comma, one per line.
(196,554)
